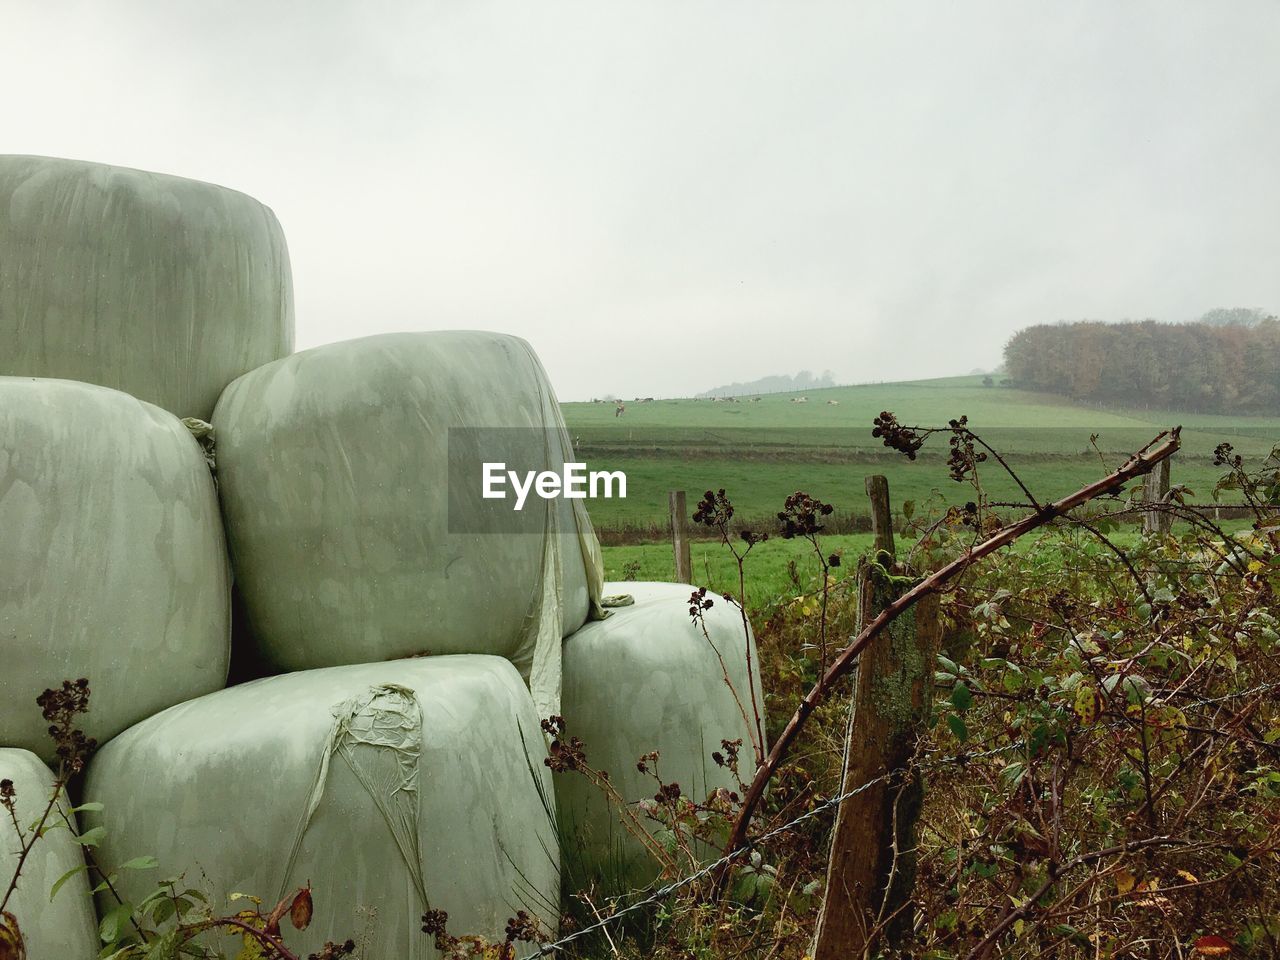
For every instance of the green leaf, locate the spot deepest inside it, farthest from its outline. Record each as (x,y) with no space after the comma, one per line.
(57,884)
(957,727)
(114,922)
(162,910)
(91,807)
(140,863)
(165,947)
(961,698)
(91,838)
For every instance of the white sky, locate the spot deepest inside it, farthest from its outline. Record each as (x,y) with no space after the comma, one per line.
(667,195)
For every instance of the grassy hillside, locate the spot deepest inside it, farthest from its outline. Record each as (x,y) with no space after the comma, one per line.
(761,451)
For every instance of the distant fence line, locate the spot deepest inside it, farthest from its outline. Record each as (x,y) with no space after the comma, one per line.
(659,531)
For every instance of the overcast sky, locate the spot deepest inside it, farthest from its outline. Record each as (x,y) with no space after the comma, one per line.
(665,196)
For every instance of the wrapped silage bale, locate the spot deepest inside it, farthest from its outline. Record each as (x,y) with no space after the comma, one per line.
(159,286)
(356,535)
(115,564)
(389,786)
(644,679)
(64,928)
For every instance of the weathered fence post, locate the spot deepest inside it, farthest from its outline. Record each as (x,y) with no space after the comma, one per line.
(881,514)
(871,872)
(1157,489)
(680,537)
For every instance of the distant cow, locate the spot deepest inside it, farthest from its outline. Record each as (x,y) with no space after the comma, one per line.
(799,399)
(833,403)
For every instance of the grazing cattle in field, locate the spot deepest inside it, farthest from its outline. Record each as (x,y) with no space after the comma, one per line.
(619,409)
(833,403)
(755,399)
(799,399)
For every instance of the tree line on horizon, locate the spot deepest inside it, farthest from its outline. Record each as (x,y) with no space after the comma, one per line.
(1218,364)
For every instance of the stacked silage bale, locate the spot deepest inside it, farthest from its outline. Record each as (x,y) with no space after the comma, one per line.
(360,536)
(386,786)
(115,570)
(115,562)
(395,785)
(352,491)
(652,678)
(64,928)
(162,287)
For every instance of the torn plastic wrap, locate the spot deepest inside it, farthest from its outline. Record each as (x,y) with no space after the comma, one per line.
(65,927)
(389,786)
(349,533)
(115,565)
(648,679)
(162,287)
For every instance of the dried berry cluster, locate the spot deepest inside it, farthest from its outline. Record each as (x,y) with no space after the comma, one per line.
(520,928)
(699,604)
(906,440)
(667,793)
(729,756)
(964,456)
(642,765)
(523,928)
(564,754)
(334,951)
(800,513)
(60,707)
(1224,456)
(714,509)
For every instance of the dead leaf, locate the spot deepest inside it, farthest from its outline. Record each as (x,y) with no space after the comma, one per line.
(1212,945)
(1125,881)
(300,909)
(11,943)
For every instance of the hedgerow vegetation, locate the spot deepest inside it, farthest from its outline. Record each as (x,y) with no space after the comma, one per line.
(1101,763)
(1100,757)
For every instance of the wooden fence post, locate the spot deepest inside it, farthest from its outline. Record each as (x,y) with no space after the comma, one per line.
(1157,488)
(680,536)
(881,514)
(871,872)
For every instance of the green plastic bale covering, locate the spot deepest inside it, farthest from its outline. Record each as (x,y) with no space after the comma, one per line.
(64,928)
(348,533)
(388,786)
(164,288)
(644,679)
(115,563)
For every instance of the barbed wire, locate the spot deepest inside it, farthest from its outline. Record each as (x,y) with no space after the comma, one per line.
(1237,695)
(663,892)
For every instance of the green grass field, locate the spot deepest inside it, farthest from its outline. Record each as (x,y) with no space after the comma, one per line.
(762,451)
(769,572)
